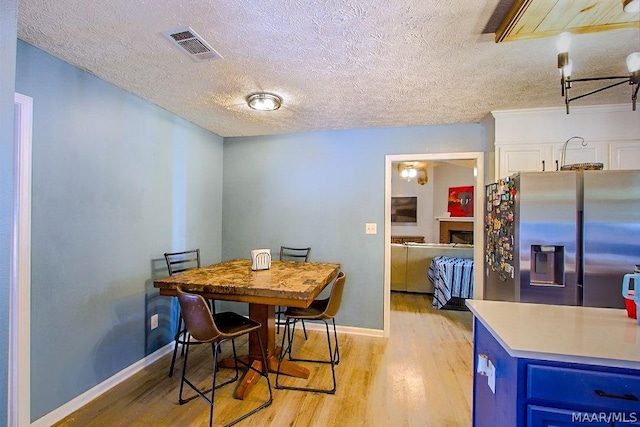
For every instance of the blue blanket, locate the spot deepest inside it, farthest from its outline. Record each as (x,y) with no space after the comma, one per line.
(451,277)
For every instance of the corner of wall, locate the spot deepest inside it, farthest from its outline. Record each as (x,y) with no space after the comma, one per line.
(488,124)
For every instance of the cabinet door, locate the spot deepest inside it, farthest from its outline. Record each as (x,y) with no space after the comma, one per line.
(593,152)
(625,155)
(540,416)
(575,386)
(524,158)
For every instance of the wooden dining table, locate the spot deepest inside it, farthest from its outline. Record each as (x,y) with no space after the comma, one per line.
(286,283)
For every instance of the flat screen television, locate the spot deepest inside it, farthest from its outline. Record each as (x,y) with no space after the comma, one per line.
(404,210)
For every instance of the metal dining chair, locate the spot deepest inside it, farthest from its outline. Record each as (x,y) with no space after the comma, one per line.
(288,253)
(177,262)
(324,310)
(205,327)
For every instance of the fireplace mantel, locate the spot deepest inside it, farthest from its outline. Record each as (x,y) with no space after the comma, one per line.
(455,218)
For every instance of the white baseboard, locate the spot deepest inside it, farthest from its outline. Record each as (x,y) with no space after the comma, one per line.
(78,402)
(351,330)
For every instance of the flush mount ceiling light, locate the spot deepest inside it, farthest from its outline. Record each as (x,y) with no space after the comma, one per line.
(264,101)
(565,65)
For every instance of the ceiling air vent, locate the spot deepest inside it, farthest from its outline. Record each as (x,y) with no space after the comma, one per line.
(192,44)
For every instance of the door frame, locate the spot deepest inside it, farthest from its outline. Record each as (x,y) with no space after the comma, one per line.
(478,206)
(19,413)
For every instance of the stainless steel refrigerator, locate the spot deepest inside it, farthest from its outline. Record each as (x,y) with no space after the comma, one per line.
(563,237)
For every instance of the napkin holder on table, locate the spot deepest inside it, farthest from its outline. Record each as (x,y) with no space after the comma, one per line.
(260,259)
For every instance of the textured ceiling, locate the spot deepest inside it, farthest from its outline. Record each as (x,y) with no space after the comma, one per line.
(337,64)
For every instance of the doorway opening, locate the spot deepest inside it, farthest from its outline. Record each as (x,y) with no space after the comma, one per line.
(477,160)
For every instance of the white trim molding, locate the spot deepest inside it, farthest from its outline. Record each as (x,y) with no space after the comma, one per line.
(19,412)
(553,125)
(349,330)
(551,111)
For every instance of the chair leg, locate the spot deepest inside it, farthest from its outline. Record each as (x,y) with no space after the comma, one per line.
(334,356)
(304,330)
(177,341)
(210,400)
(264,373)
(216,349)
(184,377)
(283,351)
(291,334)
(278,318)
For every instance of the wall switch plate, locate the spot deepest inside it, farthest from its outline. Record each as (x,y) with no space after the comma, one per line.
(371,228)
(154,321)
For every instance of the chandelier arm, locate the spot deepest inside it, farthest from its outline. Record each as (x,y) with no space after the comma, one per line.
(597,90)
(634,96)
(592,79)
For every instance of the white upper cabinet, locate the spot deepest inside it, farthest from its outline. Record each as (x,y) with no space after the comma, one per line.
(523,158)
(548,157)
(625,155)
(532,140)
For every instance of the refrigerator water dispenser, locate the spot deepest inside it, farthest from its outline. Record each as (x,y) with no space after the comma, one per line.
(547,265)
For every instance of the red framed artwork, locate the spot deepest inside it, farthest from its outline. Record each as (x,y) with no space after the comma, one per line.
(460,202)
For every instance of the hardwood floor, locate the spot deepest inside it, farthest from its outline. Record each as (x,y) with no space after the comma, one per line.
(420,376)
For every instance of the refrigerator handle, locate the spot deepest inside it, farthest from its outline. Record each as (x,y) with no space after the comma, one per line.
(543,166)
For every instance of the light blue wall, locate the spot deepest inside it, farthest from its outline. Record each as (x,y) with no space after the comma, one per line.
(117,182)
(7,78)
(319,189)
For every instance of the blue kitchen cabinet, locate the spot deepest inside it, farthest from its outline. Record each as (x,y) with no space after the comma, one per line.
(499,409)
(532,392)
(552,417)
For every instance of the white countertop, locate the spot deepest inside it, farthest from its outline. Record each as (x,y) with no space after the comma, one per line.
(598,336)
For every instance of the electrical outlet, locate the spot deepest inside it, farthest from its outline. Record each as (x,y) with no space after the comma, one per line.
(371,228)
(154,321)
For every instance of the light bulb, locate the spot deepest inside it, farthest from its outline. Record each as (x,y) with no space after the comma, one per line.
(264,101)
(633,62)
(566,70)
(563,42)
(404,173)
(413,173)
(631,6)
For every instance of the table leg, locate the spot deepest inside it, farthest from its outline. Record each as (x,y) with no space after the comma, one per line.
(265,314)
